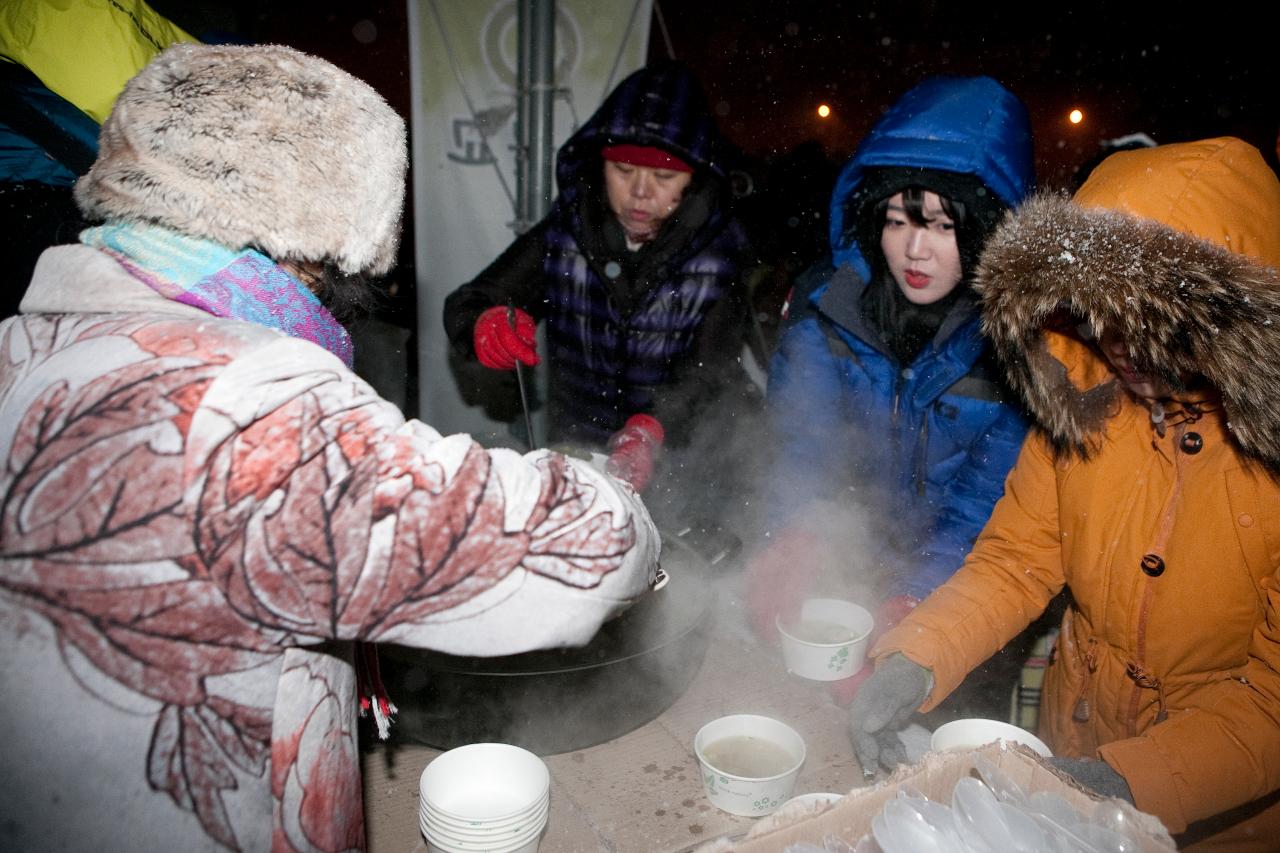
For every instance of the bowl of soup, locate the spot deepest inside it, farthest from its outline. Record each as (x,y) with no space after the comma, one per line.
(972,733)
(749,763)
(826,640)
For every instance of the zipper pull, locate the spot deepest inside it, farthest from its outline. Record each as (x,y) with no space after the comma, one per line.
(905,375)
(1082,710)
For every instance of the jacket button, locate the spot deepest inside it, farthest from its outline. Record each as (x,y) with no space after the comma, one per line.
(1192,443)
(1153,565)
(1245,519)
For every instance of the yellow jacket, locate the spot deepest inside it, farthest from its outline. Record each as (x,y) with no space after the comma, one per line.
(1168,535)
(84,50)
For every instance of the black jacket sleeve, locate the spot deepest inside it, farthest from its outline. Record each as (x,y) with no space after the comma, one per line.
(514,278)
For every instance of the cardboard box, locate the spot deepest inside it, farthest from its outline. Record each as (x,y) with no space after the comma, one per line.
(935,775)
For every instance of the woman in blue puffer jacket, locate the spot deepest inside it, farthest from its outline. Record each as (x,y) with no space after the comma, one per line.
(882,393)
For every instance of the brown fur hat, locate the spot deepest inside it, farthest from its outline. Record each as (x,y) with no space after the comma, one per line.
(1184,305)
(258,146)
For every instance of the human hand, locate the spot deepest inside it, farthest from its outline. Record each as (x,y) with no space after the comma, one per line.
(499,346)
(882,707)
(779,577)
(888,614)
(1096,775)
(632,450)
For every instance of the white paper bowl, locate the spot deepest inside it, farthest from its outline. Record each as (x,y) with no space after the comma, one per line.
(484,783)
(439,845)
(525,843)
(811,800)
(447,819)
(507,830)
(749,796)
(805,652)
(973,733)
(463,820)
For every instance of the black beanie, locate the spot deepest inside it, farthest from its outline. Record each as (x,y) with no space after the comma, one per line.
(983,207)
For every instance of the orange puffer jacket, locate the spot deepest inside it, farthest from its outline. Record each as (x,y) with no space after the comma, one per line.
(1165,528)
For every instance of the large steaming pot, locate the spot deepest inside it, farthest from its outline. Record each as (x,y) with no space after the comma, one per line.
(560,700)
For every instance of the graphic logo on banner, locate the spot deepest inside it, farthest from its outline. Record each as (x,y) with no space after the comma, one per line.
(470,136)
(498,39)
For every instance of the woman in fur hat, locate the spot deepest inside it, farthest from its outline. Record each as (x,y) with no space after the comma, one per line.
(635,272)
(202,505)
(1140,321)
(882,394)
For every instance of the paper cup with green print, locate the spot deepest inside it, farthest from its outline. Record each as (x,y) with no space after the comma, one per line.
(827,641)
(749,763)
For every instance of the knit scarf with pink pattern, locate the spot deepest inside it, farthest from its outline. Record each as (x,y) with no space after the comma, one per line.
(238,284)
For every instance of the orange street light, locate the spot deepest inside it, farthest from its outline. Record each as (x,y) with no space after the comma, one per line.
(1075,116)
(823,110)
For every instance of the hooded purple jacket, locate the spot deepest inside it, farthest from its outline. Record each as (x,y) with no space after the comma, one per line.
(657,330)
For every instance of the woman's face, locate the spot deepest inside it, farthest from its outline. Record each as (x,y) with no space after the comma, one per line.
(643,197)
(923,259)
(1116,352)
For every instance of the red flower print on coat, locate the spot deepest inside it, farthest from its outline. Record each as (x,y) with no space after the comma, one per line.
(319,517)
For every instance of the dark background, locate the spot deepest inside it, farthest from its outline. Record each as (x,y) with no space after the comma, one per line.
(1131,67)
(767,64)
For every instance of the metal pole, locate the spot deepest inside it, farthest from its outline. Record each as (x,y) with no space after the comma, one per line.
(535,90)
(535,79)
(535,150)
(524,121)
(543,85)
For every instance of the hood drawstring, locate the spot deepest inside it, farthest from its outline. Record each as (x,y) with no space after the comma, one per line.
(1146,680)
(1167,413)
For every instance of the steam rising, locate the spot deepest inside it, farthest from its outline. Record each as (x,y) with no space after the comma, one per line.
(710,501)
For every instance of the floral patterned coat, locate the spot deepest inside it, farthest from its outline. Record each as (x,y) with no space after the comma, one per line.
(197,516)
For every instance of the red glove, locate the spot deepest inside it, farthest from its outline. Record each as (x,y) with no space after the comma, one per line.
(498,345)
(632,450)
(780,576)
(888,614)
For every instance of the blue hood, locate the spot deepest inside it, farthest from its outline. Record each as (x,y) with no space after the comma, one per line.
(969,125)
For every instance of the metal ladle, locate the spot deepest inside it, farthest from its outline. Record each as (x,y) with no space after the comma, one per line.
(524,398)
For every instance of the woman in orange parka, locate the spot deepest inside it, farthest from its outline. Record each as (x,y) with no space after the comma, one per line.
(1140,321)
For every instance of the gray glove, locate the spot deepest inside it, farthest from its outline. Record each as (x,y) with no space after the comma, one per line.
(882,707)
(1097,776)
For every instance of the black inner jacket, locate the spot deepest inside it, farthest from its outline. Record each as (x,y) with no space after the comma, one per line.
(906,328)
(603,240)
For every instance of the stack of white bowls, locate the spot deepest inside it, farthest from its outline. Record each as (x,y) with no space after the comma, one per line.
(484,798)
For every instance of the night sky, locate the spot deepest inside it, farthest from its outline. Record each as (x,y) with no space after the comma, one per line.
(767,64)
(1130,68)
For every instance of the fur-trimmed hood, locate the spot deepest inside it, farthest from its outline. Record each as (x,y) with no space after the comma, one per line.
(1174,246)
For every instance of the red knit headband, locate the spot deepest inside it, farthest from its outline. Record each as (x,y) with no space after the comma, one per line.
(644,155)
